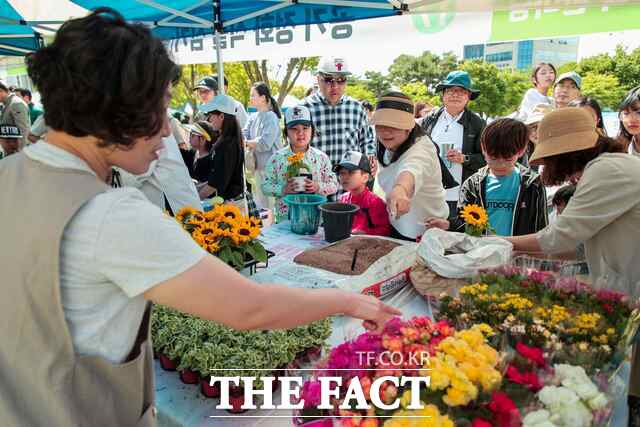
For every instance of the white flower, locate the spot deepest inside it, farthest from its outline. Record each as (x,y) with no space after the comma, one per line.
(555,397)
(576,373)
(538,418)
(598,402)
(576,415)
(586,390)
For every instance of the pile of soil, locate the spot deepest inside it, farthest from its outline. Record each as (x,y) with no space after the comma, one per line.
(338,258)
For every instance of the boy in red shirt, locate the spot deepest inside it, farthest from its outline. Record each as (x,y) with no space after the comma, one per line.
(353,173)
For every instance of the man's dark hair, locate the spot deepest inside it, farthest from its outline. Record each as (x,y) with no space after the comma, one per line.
(558,169)
(104,77)
(504,138)
(24,92)
(563,195)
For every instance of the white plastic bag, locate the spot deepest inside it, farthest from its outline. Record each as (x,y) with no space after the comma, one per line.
(458,255)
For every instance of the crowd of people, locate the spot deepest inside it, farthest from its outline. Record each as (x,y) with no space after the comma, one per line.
(409,167)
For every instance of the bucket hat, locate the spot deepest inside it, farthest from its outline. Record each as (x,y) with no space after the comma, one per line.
(460,79)
(395,112)
(564,131)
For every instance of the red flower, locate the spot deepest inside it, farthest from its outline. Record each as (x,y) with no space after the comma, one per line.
(481,422)
(528,379)
(608,308)
(506,412)
(533,354)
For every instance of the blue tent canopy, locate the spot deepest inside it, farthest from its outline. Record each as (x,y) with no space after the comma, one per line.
(16,38)
(191,18)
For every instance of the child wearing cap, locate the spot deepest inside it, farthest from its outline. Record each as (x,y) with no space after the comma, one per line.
(299,131)
(10,137)
(513,195)
(354,171)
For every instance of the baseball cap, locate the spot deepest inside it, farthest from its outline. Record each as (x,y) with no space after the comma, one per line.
(223,103)
(297,115)
(10,131)
(571,75)
(208,82)
(352,160)
(333,65)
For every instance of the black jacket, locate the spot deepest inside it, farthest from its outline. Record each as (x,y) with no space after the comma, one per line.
(202,168)
(530,214)
(473,126)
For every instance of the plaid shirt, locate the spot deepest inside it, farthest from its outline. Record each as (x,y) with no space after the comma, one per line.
(340,128)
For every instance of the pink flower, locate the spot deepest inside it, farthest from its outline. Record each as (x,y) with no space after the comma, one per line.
(533,354)
(481,422)
(528,379)
(311,394)
(539,276)
(506,412)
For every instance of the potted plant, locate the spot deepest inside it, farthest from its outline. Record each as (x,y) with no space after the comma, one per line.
(226,233)
(298,171)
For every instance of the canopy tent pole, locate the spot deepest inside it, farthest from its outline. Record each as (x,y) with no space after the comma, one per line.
(217,29)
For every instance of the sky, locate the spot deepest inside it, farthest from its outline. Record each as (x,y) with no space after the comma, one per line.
(362,60)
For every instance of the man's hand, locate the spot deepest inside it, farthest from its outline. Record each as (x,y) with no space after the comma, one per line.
(455,156)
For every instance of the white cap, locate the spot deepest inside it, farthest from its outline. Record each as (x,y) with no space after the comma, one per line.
(222,103)
(333,65)
(297,115)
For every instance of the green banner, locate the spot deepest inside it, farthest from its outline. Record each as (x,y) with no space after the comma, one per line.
(552,22)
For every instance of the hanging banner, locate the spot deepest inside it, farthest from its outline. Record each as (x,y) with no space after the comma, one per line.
(552,22)
(397,33)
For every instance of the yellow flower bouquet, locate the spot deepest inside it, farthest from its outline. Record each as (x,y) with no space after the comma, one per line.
(476,220)
(226,233)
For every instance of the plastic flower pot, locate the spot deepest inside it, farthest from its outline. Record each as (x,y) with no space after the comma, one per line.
(236,399)
(303,212)
(188,376)
(337,219)
(167,364)
(207,389)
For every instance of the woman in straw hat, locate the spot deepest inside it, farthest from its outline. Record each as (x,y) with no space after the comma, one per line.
(409,168)
(604,212)
(78,278)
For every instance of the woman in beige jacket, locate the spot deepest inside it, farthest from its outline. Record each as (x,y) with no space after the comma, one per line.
(604,212)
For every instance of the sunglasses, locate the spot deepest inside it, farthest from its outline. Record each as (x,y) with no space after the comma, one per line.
(337,80)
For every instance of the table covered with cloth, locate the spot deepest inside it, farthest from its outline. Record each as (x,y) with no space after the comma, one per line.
(180,404)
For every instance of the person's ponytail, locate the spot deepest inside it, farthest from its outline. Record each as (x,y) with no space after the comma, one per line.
(275,107)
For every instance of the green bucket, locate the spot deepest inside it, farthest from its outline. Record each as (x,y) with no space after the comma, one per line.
(304,214)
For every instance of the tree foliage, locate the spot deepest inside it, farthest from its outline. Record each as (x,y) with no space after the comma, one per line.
(259,71)
(605,88)
(428,68)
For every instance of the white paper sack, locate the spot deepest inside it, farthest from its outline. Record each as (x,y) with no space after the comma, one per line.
(385,276)
(470,254)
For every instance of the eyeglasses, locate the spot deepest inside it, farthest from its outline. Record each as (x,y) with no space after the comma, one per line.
(455,91)
(337,80)
(625,114)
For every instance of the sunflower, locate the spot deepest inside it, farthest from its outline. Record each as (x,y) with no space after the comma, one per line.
(199,239)
(213,247)
(242,234)
(295,158)
(196,218)
(474,215)
(230,212)
(185,212)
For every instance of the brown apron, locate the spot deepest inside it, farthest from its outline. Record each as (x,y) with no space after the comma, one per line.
(42,380)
